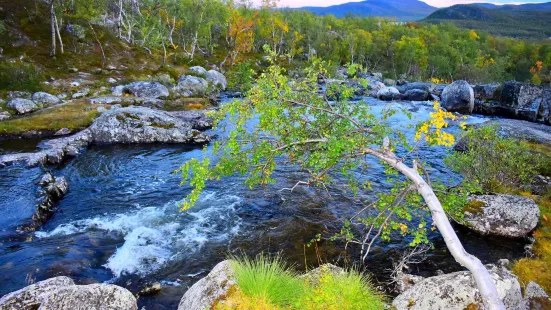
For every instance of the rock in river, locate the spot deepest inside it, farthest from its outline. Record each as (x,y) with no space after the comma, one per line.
(388,93)
(204,293)
(143,125)
(502,215)
(458,97)
(217,79)
(457,291)
(61,293)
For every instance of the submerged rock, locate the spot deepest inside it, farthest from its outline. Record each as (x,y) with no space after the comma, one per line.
(502,215)
(458,291)
(22,106)
(143,125)
(203,294)
(458,97)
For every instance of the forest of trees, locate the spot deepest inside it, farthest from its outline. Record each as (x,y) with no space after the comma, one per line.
(227,33)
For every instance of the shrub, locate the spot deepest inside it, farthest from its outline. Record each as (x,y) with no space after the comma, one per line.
(497,164)
(268,279)
(20,76)
(266,283)
(241,77)
(349,290)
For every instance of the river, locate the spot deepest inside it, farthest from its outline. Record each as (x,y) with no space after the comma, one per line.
(120,221)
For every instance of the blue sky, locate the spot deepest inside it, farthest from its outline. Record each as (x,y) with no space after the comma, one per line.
(437,3)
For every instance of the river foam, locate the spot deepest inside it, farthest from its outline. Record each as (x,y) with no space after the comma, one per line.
(155,236)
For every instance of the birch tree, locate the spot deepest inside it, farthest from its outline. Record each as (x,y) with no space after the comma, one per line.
(333,141)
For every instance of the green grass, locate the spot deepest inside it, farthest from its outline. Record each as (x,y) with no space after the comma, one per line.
(268,278)
(74,116)
(266,283)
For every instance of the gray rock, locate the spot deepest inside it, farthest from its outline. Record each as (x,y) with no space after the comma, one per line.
(63,132)
(32,296)
(389,82)
(75,84)
(388,94)
(101,109)
(503,215)
(150,289)
(46,99)
(118,91)
(93,296)
(458,97)
(4,115)
(429,87)
(416,95)
(148,90)
(81,93)
(76,31)
(111,81)
(203,294)
(58,189)
(439,89)
(458,290)
(533,290)
(378,76)
(46,179)
(523,101)
(165,79)
(107,100)
(143,125)
(217,79)
(198,71)
(73,70)
(22,106)
(375,86)
(62,96)
(191,86)
(314,276)
(18,94)
(487,91)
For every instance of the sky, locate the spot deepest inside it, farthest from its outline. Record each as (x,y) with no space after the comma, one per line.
(436,3)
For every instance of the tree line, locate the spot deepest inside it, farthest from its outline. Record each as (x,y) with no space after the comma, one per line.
(231,33)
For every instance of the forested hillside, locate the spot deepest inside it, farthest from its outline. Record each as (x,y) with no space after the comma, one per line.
(405,10)
(232,36)
(520,21)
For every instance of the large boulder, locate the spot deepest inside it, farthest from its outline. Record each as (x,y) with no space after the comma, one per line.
(502,215)
(458,291)
(217,79)
(148,90)
(93,296)
(46,99)
(203,294)
(458,97)
(389,82)
(429,87)
(388,94)
(18,94)
(416,95)
(143,125)
(487,91)
(31,296)
(523,101)
(22,106)
(192,86)
(198,71)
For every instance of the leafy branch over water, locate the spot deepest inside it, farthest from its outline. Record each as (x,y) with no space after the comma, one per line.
(284,119)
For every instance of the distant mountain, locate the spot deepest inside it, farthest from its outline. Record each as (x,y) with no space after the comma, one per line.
(403,10)
(521,21)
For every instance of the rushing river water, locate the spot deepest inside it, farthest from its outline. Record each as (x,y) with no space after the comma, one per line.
(120,221)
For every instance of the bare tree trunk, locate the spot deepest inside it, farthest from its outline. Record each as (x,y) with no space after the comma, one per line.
(58,35)
(104,59)
(484,282)
(52,28)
